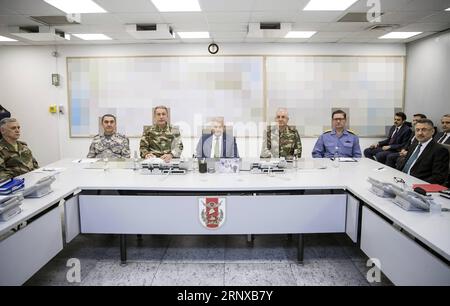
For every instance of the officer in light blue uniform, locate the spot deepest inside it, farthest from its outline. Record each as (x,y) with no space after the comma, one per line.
(344,141)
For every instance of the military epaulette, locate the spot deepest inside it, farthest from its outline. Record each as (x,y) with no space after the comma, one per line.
(22,142)
(351,132)
(327,131)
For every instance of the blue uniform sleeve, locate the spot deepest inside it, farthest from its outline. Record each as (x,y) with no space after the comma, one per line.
(319,149)
(356,148)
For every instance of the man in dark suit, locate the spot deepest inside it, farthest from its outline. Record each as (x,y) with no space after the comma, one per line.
(394,157)
(399,134)
(444,136)
(427,160)
(218,143)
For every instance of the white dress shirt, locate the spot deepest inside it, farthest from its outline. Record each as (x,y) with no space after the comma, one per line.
(213,145)
(424,145)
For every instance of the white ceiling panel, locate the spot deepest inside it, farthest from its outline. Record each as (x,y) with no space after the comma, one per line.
(279,5)
(385,5)
(188,17)
(426,5)
(282,16)
(425,27)
(228,20)
(226,6)
(227,17)
(313,16)
(130,18)
(100,18)
(17,20)
(30,7)
(225,27)
(346,26)
(404,17)
(438,17)
(127,6)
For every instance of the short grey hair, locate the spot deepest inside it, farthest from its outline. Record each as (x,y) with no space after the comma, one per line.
(7,120)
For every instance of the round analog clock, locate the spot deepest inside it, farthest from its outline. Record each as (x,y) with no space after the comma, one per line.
(213,48)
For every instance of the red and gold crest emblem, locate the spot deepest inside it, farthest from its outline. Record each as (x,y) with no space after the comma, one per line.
(211,211)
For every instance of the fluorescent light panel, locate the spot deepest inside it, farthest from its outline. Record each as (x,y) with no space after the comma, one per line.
(448,9)
(92,36)
(300,34)
(399,35)
(328,5)
(193,34)
(76,6)
(3,38)
(177,5)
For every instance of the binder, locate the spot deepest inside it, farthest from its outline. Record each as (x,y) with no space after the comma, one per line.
(11,186)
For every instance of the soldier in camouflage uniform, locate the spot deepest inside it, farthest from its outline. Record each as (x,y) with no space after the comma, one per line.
(161,139)
(282,140)
(109,144)
(15,157)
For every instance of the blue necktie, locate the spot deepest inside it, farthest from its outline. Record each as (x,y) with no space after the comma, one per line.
(412,158)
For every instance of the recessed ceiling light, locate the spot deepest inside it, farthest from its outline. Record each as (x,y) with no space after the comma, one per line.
(300,34)
(193,34)
(448,9)
(3,38)
(177,5)
(78,6)
(328,5)
(399,35)
(93,36)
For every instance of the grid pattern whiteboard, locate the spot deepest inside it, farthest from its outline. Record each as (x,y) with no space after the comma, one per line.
(245,90)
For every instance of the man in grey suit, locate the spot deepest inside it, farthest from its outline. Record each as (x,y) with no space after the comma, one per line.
(444,136)
(218,143)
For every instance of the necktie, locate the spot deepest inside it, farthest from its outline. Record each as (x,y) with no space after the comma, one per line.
(392,136)
(216,148)
(441,140)
(412,158)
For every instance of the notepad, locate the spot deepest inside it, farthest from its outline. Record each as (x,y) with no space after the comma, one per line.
(430,187)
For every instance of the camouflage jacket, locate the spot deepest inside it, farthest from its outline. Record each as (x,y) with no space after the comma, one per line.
(160,141)
(15,162)
(112,146)
(278,143)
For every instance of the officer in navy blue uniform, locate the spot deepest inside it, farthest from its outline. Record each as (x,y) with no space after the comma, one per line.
(344,141)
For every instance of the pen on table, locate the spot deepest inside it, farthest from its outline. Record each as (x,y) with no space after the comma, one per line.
(381,168)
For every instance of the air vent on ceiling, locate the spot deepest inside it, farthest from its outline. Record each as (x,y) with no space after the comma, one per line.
(58,20)
(39,33)
(269,26)
(150,31)
(268,29)
(357,17)
(383,27)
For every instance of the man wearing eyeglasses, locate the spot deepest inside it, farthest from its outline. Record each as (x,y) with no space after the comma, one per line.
(338,141)
(427,160)
(282,140)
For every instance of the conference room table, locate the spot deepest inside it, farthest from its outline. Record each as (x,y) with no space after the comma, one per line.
(314,196)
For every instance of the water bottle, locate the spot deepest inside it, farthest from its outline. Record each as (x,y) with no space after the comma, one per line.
(136,164)
(336,157)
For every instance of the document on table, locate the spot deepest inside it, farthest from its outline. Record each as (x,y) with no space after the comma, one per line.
(347,159)
(85,160)
(49,170)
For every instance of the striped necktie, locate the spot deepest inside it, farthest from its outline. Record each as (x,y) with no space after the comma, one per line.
(412,159)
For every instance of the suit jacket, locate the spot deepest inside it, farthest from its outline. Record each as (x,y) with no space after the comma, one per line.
(401,138)
(229,146)
(439,135)
(432,164)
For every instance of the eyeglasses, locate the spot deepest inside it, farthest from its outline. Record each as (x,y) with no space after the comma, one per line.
(399,180)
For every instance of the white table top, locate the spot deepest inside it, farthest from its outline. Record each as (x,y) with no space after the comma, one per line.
(430,228)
